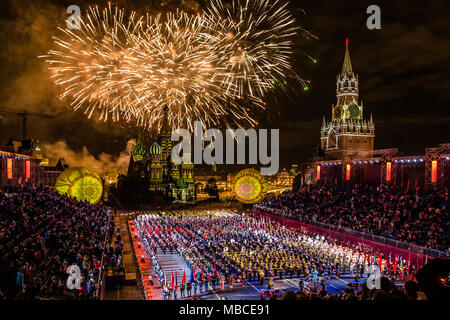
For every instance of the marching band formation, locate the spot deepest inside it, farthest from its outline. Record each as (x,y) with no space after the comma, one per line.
(224,249)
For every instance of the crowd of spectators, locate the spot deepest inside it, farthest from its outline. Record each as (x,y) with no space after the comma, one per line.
(42,234)
(413,216)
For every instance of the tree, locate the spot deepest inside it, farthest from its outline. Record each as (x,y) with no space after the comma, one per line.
(296,185)
(132,191)
(211,188)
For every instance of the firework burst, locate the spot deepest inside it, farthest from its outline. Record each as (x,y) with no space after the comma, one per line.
(86,61)
(215,66)
(254,43)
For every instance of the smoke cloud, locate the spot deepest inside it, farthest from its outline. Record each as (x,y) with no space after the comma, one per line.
(103,164)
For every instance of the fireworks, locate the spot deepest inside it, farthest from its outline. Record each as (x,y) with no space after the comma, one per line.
(254,39)
(215,66)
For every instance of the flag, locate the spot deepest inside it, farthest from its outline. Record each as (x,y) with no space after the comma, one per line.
(171,282)
(395,264)
(176,281)
(194,272)
(191,278)
(380,262)
(184,279)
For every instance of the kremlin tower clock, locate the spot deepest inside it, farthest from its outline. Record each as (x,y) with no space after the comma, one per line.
(347,135)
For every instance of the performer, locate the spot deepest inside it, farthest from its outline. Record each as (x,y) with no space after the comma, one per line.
(182,291)
(195,287)
(222,282)
(269,286)
(300,285)
(189,289)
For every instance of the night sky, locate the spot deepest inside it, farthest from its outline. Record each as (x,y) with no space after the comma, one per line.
(403,70)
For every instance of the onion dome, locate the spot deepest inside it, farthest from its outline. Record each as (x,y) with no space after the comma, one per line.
(138,152)
(155,149)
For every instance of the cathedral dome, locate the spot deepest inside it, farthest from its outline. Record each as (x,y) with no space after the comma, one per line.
(155,149)
(138,152)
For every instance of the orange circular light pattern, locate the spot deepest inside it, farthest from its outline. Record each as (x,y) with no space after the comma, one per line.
(249,186)
(80,183)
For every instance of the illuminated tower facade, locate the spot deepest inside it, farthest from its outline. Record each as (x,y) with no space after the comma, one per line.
(348,134)
(165,141)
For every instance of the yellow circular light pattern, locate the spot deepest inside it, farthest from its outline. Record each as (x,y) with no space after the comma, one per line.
(249,186)
(80,183)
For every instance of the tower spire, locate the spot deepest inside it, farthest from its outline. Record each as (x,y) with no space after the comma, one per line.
(347,66)
(166,129)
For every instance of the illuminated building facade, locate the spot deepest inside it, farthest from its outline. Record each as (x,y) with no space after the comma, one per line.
(18,169)
(388,166)
(156,166)
(278,183)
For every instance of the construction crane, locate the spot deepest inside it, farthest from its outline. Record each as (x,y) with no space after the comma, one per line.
(24,114)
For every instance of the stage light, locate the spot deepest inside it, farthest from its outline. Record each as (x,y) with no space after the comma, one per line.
(27,169)
(9,168)
(348,172)
(318,173)
(434,171)
(388,171)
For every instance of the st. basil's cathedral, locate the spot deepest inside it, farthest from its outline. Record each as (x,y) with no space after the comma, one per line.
(156,166)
